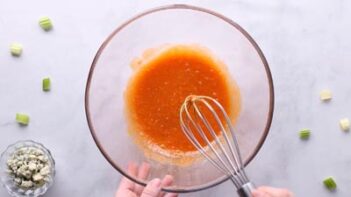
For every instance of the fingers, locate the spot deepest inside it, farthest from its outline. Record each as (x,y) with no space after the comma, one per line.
(127,186)
(125,193)
(126,183)
(167,181)
(274,192)
(171,195)
(258,193)
(143,172)
(152,189)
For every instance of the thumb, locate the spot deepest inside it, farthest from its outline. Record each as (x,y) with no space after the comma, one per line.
(152,189)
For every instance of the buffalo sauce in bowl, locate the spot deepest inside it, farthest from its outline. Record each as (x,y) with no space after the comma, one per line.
(163,77)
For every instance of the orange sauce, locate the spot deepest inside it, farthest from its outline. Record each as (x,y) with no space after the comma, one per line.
(161,81)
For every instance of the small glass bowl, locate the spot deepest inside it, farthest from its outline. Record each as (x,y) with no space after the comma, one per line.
(7,179)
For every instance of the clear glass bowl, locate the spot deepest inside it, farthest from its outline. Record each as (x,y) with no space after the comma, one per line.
(110,71)
(7,180)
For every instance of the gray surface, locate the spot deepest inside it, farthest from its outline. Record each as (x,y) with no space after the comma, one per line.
(306,43)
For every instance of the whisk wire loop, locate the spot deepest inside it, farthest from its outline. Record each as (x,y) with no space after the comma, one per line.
(236,151)
(223,150)
(223,167)
(216,138)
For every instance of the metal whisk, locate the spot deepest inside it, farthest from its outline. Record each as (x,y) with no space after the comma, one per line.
(223,152)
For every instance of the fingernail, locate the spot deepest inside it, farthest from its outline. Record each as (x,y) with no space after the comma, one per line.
(156,182)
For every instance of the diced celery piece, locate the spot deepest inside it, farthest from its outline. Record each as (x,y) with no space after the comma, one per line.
(45,23)
(325,95)
(46,84)
(16,49)
(22,118)
(330,183)
(345,124)
(305,133)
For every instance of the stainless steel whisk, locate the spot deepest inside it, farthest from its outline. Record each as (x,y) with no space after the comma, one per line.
(224,151)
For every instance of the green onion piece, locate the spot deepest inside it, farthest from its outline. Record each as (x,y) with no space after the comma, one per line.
(46,84)
(345,124)
(305,133)
(16,49)
(329,183)
(45,23)
(22,119)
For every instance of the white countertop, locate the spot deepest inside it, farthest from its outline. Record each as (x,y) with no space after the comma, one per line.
(307,45)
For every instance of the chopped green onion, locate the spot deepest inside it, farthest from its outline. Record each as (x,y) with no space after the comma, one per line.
(325,95)
(329,183)
(45,23)
(345,124)
(46,84)
(305,133)
(22,119)
(16,49)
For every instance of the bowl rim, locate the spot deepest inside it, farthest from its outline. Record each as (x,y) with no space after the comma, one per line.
(193,8)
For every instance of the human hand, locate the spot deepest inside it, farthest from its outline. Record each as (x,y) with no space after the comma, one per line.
(271,192)
(127,188)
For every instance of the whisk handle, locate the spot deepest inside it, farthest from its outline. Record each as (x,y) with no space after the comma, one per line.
(246,190)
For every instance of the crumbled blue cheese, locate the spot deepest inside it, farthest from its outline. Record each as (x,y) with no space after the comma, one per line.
(32,166)
(29,167)
(45,170)
(37,177)
(26,184)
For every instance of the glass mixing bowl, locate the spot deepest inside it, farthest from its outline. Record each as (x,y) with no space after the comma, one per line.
(110,71)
